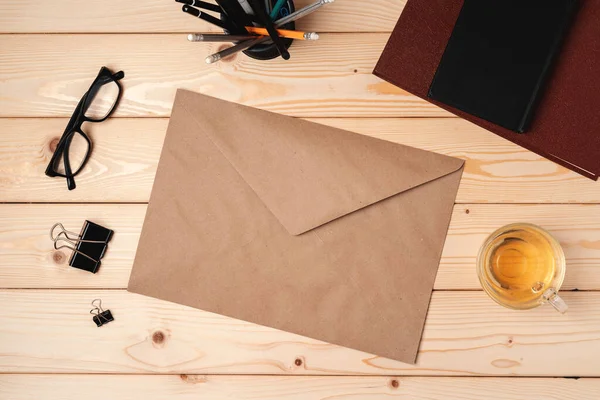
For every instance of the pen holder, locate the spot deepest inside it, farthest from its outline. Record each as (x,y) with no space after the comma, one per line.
(268,51)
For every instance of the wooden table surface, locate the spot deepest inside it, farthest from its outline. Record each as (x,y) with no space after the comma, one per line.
(50,51)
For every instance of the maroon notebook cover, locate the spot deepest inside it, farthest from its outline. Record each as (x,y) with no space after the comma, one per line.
(566,125)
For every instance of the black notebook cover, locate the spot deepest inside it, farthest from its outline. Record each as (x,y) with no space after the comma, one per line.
(498,56)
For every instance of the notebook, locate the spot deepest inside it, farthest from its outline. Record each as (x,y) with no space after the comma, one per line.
(498,57)
(565,126)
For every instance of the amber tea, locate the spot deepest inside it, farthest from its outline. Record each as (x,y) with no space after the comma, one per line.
(521,266)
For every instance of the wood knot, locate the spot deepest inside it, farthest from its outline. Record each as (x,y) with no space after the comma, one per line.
(158,337)
(467,211)
(53,145)
(193,378)
(227,59)
(298,362)
(394,383)
(59,257)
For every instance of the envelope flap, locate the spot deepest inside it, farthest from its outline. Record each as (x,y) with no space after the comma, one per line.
(309,174)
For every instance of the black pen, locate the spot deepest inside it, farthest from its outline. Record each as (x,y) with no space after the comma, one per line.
(207,17)
(236,14)
(266,21)
(201,4)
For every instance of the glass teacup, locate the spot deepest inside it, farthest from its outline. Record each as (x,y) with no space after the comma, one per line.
(521,266)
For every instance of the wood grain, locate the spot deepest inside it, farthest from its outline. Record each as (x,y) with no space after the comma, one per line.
(155,16)
(126,151)
(27,256)
(27,259)
(50,53)
(46,75)
(465,333)
(576,227)
(121,168)
(207,387)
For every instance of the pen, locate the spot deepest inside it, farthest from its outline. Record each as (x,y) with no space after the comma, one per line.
(206,17)
(285,33)
(213,58)
(267,23)
(302,12)
(201,4)
(235,14)
(276,8)
(216,37)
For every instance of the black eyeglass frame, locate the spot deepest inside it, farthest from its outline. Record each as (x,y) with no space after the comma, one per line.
(105,76)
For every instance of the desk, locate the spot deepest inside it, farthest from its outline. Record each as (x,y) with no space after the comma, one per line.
(51,349)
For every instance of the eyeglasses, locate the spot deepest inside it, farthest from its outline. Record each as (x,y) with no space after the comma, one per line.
(96,105)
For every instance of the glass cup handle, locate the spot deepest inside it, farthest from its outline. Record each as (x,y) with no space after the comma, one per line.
(552,297)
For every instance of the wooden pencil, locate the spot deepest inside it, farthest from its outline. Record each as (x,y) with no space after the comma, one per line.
(285,33)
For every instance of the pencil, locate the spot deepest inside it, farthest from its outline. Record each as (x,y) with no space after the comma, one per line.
(213,58)
(302,12)
(201,4)
(285,33)
(216,37)
(206,17)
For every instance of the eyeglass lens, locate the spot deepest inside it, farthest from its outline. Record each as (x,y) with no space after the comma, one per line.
(100,103)
(78,149)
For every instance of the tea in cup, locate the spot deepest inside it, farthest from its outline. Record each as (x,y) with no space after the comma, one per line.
(521,266)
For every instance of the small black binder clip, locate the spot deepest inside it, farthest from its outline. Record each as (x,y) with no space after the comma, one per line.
(88,247)
(101,317)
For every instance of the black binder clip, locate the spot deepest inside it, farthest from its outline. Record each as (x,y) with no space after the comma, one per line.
(101,317)
(88,247)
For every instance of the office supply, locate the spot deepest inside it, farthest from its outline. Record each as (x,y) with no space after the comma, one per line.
(234,13)
(88,246)
(267,49)
(295,225)
(201,4)
(101,317)
(208,18)
(263,50)
(74,147)
(214,37)
(268,24)
(285,33)
(565,127)
(495,72)
(303,12)
(246,7)
(213,58)
(276,9)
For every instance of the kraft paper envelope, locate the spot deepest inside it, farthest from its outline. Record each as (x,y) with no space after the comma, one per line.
(297,226)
